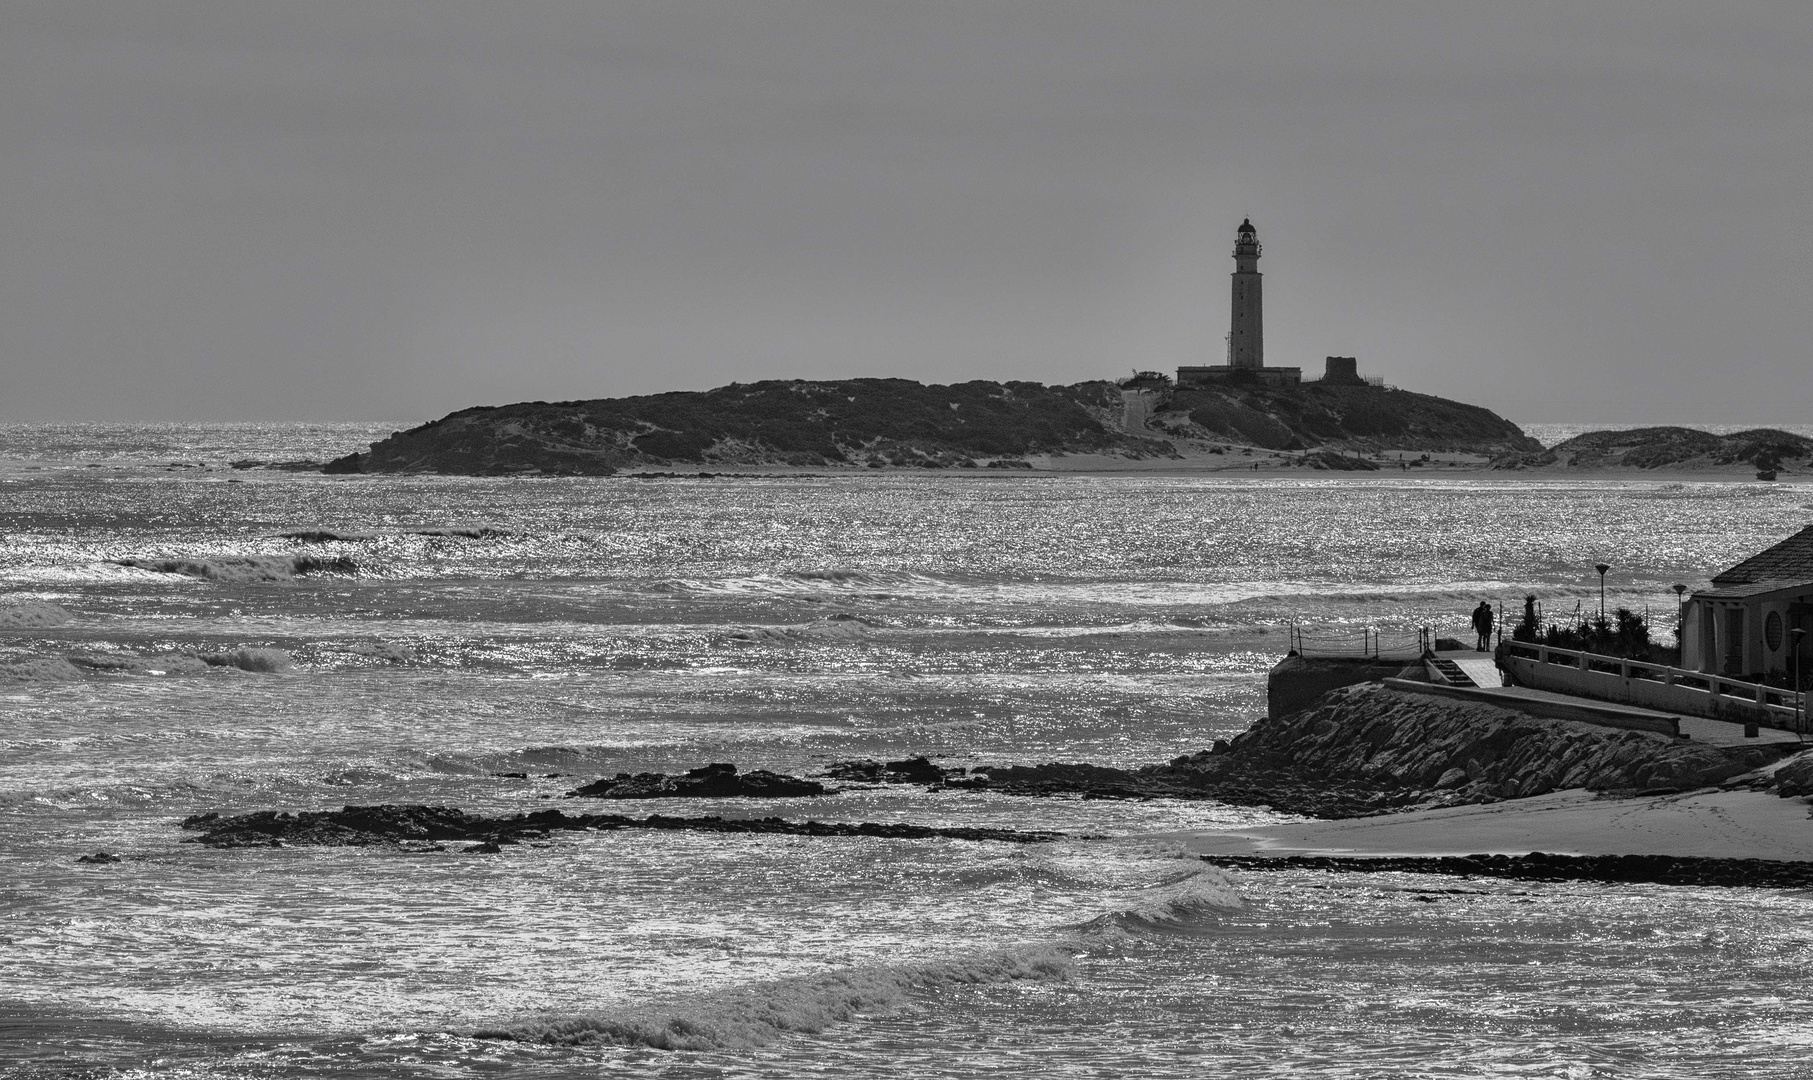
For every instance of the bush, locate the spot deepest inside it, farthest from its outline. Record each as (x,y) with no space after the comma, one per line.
(1624,635)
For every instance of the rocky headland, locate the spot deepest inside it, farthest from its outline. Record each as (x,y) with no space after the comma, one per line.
(1672,449)
(1369,749)
(883,423)
(1356,420)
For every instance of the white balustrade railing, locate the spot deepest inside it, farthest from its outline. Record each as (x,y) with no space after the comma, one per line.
(1770,704)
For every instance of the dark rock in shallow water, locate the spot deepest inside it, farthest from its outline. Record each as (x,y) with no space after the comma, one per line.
(358,826)
(99,858)
(716,781)
(914,770)
(1539,866)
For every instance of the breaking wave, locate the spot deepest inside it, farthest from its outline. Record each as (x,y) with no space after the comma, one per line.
(44,669)
(809,582)
(832,628)
(1186,904)
(757,1013)
(483,532)
(246,568)
(754,1014)
(328,536)
(386,651)
(133,664)
(323,536)
(75,665)
(32,613)
(269,661)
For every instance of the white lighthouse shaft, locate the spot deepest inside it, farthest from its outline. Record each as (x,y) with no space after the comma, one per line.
(1246,330)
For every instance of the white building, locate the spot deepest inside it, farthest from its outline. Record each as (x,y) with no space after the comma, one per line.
(1744,625)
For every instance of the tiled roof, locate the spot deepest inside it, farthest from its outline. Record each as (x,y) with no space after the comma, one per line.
(1790,560)
(1760,588)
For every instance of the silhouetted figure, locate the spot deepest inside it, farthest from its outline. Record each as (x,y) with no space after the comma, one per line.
(1482,624)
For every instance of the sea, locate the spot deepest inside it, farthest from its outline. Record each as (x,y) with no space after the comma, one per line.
(184,631)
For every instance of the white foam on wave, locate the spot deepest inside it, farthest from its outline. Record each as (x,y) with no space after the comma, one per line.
(1195,901)
(754,1014)
(245,568)
(1191,896)
(74,666)
(833,628)
(267,661)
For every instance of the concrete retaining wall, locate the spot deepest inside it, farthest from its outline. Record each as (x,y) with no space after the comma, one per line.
(1553,710)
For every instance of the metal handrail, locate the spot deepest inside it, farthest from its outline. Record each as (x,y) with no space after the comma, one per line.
(1372,643)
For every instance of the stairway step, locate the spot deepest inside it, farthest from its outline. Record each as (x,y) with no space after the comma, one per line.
(1445,670)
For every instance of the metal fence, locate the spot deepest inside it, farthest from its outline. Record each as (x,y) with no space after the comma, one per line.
(1396,644)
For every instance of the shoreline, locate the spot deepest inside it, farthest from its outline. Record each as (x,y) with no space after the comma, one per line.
(1261,465)
(1717,824)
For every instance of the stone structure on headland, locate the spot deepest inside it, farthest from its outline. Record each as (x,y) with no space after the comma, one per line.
(1246,333)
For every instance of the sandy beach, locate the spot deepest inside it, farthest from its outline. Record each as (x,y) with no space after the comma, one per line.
(1711,824)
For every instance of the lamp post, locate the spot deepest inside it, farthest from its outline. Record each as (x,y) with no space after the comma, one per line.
(1680,620)
(1795,635)
(1602,568)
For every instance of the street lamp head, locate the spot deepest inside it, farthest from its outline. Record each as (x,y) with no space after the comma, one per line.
(1602,568)
(1679,589)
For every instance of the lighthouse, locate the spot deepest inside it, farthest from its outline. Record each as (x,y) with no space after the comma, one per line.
(1246,328)
(1246,324)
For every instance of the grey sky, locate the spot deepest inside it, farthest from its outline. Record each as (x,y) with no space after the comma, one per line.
(384,209)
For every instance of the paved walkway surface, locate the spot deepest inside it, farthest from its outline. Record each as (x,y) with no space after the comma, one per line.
(1720,824)
(1699,728)
(1480,668)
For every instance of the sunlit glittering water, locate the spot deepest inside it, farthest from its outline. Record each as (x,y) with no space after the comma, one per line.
(461,628)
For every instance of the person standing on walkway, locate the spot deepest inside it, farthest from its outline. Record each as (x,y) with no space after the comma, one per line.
(1482,624)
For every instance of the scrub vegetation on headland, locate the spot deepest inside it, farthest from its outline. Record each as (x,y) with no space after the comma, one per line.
(1653,448)
(1088,426)
(881,423)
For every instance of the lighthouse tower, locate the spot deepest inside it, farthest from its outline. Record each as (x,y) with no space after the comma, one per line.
(1246,330)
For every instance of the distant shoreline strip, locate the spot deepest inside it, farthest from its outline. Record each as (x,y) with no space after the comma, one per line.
(1541,866)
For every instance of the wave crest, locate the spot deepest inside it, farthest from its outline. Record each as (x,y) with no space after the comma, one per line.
(268,661)
(755,1014)
(32,613)
(246,568)
(833,628)
(1180,906)
(44,669)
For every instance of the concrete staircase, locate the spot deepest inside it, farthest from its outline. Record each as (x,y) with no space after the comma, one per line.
(1444,670)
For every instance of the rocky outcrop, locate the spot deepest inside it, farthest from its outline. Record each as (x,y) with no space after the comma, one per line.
(1672,448)
(1454,751)
(716,781)
(1366,749)
(426,828)
(914,770)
